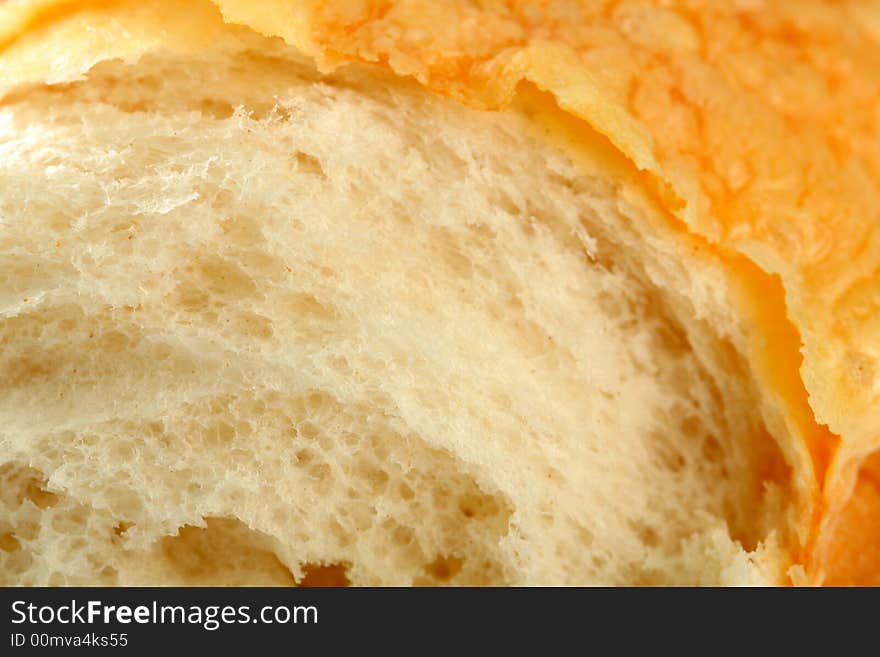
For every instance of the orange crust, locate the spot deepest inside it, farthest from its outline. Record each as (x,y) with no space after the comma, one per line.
(853,548)
(758,123)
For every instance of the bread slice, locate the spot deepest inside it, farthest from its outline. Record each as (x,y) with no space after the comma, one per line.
(271,316)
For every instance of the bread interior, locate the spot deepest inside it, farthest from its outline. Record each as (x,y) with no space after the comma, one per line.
(264,325)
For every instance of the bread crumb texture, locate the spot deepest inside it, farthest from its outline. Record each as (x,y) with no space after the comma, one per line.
(243,338)
(268,319)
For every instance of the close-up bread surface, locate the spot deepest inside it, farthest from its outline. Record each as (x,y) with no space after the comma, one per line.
(439,293)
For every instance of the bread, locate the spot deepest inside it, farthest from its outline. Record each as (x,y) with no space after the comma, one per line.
(438,293)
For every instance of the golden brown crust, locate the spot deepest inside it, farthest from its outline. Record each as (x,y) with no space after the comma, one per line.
(853,543)
(758,122)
